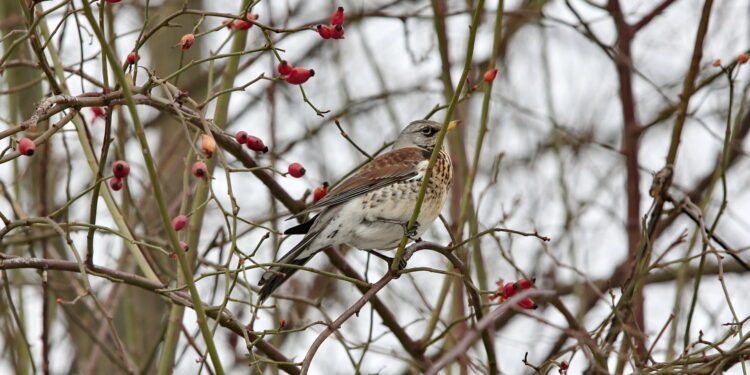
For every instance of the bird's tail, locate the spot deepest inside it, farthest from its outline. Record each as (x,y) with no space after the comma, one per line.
(277,275)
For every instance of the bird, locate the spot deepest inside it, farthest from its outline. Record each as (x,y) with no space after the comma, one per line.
(370,210)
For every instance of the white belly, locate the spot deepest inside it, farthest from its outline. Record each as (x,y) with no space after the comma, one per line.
(370,231)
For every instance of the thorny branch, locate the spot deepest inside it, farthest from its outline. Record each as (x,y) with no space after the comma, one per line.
(63,61)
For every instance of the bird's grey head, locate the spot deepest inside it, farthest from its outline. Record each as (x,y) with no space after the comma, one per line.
(420,133)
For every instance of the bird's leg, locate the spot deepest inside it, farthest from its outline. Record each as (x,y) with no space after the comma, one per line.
(389,260)
(411,234)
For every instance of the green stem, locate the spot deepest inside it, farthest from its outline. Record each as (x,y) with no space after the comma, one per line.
(435,317)
(156,185)
(441,135)
(166,361)
(468,186)
(88,152)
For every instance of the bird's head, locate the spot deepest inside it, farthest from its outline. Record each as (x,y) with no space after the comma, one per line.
(420,133)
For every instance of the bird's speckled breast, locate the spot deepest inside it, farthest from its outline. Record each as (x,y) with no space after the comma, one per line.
(396,202)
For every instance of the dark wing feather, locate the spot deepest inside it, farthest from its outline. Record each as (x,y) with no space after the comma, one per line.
(273,278)
(302,228)
(397,165)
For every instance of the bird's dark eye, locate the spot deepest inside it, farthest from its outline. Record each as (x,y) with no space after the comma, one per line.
(428,130)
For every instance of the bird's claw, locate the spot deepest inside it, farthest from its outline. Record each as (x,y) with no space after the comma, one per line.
(401,266)
(411,234)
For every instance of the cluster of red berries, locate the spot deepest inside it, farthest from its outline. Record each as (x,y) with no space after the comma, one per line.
(26,146)
(120,169)
(294,75)
(336,30)
(741,59)
(199,169)
(252,142)
(256,144)
(509,289)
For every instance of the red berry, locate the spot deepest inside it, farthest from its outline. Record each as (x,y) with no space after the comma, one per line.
(337,32)
(244,25)
(121,169)
(241,25)
(337,18)
(179,222)
(527,303)
(26,146)
(184,246)
(115,183)
(296,170)
(187,41)
(489,75)
(241,137)
(59,301)
(133,57)
(325,31)
(299,75)
(320,192)
(283,322)
(525,283)
(509,290)
(98,113)
(256,144)
(199,169)
(564,365)
(208,145)
(284,68)
(174,256)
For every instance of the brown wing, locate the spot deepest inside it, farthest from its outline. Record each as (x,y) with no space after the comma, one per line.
(386,169)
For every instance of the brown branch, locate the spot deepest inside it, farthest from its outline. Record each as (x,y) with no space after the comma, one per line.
(336,324)
(643,252)
(16,262)
(630,132)
(389,319)
(59,103)
(482,326)
(651,15)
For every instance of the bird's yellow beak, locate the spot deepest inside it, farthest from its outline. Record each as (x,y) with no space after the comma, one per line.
(453,124)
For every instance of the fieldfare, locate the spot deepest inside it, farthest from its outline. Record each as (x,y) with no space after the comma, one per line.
(370,209)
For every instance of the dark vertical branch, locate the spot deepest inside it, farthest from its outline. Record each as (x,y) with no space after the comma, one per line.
(660,195)
(630,132)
